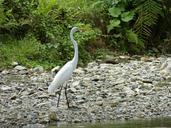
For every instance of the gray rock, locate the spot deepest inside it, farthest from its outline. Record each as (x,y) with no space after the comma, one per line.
(128,91)
(43,96)
(99,103)
(79,71)
(19,68)
(55,69)
(75,84)
(99,99)
(52,116)
(38,69)
(43,104)
(4,72)
(14,63)
(6,88)
(72,90)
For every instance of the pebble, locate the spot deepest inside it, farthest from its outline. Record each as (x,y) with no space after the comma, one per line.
(14,63)
(38,69)
(6,88)
(55,69)
(20,68)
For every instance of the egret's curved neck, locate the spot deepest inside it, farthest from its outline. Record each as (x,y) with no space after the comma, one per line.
(75,59)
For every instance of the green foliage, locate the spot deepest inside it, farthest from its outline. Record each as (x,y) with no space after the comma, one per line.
(113,24)
(2,16)
(50,24)
(102,53)
(119,26)
(17,17)
(25,51)
(115,12)
(45,6)
(42,28)
(127,16)
(132,37)
(161,32)
(148,13)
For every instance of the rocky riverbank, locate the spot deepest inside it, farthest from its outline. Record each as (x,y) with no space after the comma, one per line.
(126,90)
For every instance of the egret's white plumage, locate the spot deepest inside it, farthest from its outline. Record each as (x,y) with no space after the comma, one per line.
(66,71)
(62,76)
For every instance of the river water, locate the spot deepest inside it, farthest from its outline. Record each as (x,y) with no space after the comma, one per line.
(150,123)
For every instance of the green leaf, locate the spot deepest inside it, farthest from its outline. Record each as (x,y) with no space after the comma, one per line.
(96,4)
(113,24)
(169,9)
(45,6)
(116,1)
(115,12)
(133,37)
(127,16)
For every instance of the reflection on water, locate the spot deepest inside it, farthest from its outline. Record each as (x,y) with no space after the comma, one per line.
(152,123)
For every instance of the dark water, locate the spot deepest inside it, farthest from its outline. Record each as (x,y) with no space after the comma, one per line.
(151,123)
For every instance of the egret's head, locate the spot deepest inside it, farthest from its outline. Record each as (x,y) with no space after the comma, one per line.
(74,29)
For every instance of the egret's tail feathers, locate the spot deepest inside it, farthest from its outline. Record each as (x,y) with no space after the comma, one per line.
(51,89)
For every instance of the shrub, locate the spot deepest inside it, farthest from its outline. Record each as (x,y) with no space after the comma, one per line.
(24,52)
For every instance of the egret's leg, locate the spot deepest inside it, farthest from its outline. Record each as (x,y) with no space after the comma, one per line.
(59,95)
(66,95)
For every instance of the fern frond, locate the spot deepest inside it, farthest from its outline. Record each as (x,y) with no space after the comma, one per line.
(148,13)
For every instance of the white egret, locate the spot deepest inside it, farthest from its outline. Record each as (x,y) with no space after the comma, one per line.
(66,71)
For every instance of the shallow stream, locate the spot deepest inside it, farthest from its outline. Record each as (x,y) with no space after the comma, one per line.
(144,123)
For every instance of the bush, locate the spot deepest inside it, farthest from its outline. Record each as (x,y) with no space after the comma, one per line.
(129,26)
(24,52)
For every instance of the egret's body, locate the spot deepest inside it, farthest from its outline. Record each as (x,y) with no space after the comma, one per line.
(60,78)
(66,71)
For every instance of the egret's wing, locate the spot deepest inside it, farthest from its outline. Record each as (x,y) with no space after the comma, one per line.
(63,75)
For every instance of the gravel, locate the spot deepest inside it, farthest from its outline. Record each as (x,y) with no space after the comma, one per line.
(99,92)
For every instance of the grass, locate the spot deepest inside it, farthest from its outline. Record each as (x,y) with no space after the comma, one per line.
(27,52)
